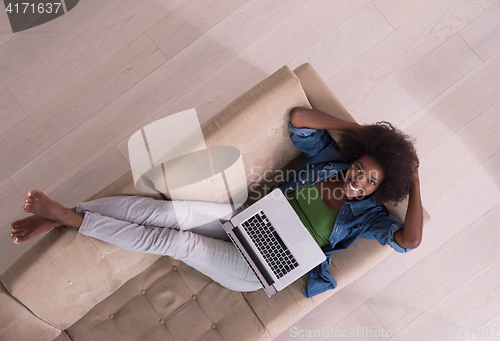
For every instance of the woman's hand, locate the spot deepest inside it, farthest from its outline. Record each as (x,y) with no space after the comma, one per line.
(310,118)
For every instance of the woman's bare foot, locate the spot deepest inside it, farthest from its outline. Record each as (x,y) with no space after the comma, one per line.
(26,229)
(38,203)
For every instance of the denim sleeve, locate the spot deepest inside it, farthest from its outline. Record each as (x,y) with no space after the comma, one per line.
(309,141)
(319,280)
(382,229)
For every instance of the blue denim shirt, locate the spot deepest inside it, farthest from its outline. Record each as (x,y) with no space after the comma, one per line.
(364,218)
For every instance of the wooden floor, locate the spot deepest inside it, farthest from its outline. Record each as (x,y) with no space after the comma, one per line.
(73,90)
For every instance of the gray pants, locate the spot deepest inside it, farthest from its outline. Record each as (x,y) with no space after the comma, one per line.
(143,224)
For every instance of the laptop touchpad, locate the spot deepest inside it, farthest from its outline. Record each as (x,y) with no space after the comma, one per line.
(293,232)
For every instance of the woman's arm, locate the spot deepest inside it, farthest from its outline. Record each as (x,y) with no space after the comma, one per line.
(411,234)
(309,118)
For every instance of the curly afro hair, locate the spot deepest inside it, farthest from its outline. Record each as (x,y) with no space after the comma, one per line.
(392,149)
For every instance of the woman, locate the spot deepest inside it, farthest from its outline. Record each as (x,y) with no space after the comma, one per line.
(336,194)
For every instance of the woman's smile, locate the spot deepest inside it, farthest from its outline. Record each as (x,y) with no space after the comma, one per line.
(362,178)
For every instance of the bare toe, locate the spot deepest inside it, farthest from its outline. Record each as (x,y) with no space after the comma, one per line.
(30,227)
(15,238)
(23,222)
(31,193)
(17,224)
(20,239)
(19,233)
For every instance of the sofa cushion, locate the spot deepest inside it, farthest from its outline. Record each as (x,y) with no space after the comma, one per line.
(65,274)
(18,323)
(170,301)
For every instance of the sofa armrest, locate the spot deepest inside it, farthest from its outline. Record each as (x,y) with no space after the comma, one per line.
(320,96)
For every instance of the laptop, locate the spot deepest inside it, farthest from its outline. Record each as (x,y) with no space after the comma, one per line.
(274,242)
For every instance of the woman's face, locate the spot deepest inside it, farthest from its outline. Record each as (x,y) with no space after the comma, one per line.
(363,177)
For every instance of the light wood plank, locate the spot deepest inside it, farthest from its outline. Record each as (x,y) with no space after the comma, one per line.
(5,29)
(459,155)
(262,58)
(87,51)
(479,188)
(483,34)
(406,46)
(77,104)
(29,48)
(97,175)
(455,107)
(488,330)
(361,324)
(346,43)
(442,272)
(162,87)
(11,202)
(189,22)
(468,306)
(333,311)
(421,83)
(398,12)
(10,111)
(268,54)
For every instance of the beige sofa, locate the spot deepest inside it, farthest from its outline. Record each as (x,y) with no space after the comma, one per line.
(72,287)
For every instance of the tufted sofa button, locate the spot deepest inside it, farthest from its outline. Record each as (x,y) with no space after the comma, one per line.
(117,270)
(193,297)
(143,292)
(214,326)
(174,267)
(103,255)
(273,130)
(162,321)
(70,282)
(111,316)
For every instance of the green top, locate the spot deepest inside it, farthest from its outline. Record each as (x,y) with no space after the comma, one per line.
(314,213)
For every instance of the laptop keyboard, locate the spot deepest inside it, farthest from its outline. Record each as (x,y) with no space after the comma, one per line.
(270,244)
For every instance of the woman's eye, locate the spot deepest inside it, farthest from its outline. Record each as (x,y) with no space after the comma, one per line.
(358,169)
(372,182)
